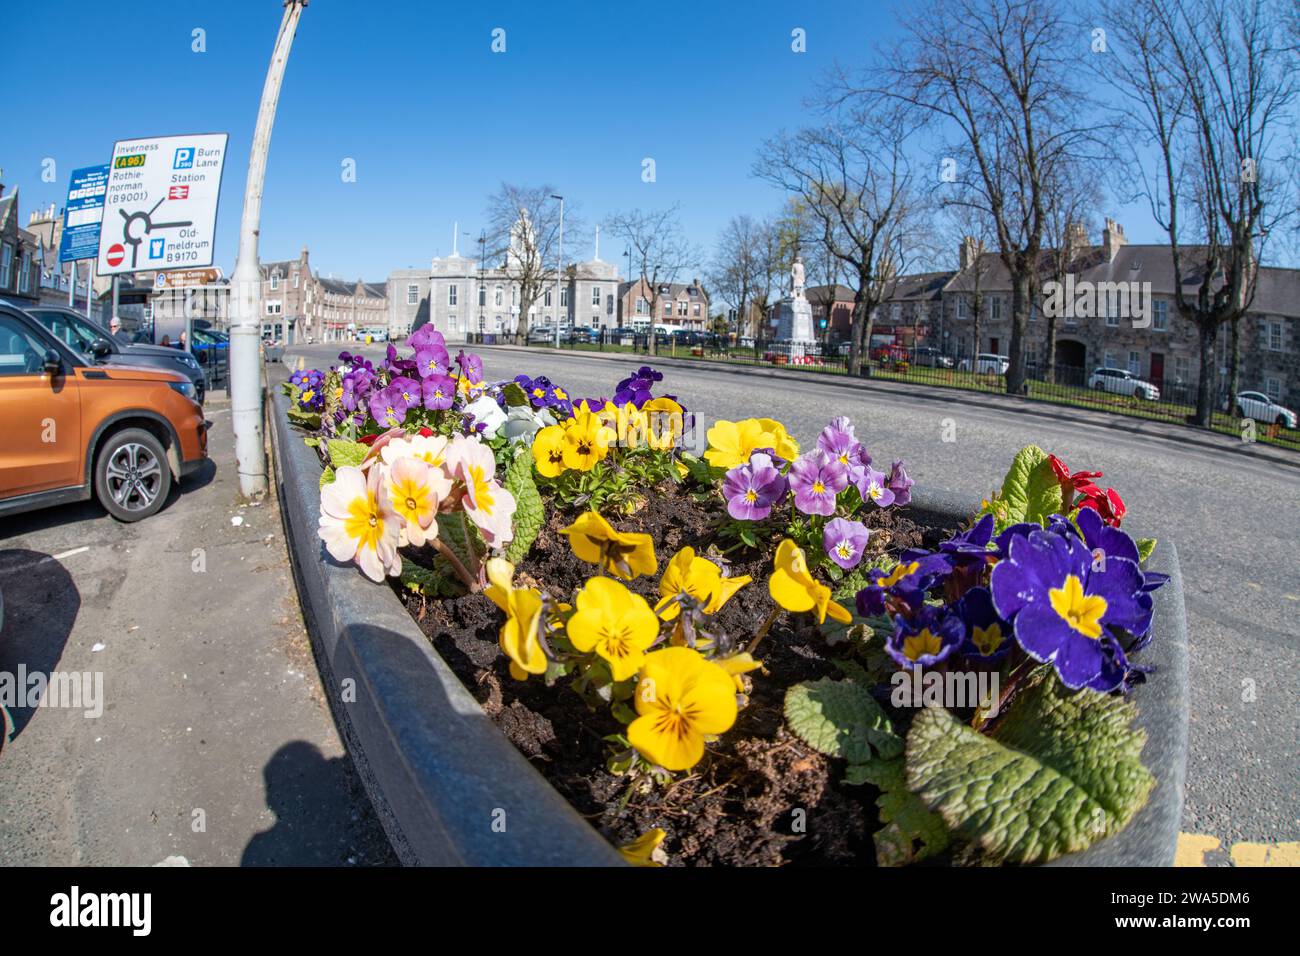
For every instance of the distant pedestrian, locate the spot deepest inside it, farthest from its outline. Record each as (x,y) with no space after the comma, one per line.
(166,340)
(115,330)
(181,344)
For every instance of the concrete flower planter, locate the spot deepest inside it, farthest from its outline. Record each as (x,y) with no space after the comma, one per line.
(451,790)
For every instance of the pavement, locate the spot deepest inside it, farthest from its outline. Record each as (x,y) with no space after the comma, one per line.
(214,744)
(1231,509)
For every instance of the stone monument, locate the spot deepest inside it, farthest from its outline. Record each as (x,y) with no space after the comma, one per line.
(794,321)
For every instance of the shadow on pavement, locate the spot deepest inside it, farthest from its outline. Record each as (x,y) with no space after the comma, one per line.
(317,804)
(40,606)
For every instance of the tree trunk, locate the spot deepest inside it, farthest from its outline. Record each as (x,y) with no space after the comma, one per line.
(1205,385)
(521,327)
(1051,349)
(978,306)
(1020,305)
(1234,362)
(854,367)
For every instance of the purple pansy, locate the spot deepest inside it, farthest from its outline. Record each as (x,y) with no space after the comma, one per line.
(388,407)
(1066,608)
(899,483)
(815,481)
(987,634)
(409,388)
(471,366)
(428,337)
(752,489)
(429,361)
(437,392)
(838,442)
(909,580)
(926,639)
(636,389)
(845,541)
(871,485)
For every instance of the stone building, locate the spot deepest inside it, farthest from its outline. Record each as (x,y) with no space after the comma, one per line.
(465,295)
(408,301)
(20,266)
(300,305)
(937,309)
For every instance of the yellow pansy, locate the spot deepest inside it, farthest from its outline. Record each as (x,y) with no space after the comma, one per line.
(586,440)
(731,443)
(681,698)
(685,573)
(794,588)
(663,423)
(738,664)
(641,851)
(615,623)
(625,554)
(523,609)
(548,451)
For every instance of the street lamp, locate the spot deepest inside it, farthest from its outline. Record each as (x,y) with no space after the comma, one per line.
(559,267)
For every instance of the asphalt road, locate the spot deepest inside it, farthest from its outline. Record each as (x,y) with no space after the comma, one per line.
(1235,518)
(213,743)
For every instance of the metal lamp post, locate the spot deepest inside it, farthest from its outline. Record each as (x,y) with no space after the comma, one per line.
(559,268)
(245,372)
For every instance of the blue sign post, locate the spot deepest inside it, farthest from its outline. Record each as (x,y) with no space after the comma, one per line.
(83,213)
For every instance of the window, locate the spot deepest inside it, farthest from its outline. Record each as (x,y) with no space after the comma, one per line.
(1181,368)
(642,306)
(497,297)
(595,295)
(895,312)
(295,280)
(564,297)
(546,297)
(1161,319)
(1135,363)
(514,296)
(961,308)
(1112,316)
(1275,336)
(25,272)
(1273,388)
(995,307)
(681,307)
(1109,361)
(274,307)
(20,351)
(482,295)
(453,323)
(668,310)
(452,291)
(412,294)
(697,310)
(275,281)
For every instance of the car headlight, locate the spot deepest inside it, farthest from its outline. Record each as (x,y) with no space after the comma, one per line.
(185,388)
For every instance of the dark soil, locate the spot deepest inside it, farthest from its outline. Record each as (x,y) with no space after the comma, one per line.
(737,806)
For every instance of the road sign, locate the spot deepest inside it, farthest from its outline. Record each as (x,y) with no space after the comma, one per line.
(82,213)
(187,278)
(160,208)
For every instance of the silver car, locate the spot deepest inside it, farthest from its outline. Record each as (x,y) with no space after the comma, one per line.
(1259,407)
(1122,382)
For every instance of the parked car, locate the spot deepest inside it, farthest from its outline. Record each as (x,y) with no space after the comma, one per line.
(986,363)
(931,358)
(124,432)
(1122,382)
(540,333)
(1260,408)
(95,342)
(582,335)
(212,349)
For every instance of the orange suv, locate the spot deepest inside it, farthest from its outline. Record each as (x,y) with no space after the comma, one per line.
(70,428)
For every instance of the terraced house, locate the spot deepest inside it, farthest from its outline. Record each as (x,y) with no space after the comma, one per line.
(301,305)
(940,310)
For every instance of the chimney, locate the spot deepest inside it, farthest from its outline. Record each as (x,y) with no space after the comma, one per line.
(968,252)
(1111,239)
(1076,236)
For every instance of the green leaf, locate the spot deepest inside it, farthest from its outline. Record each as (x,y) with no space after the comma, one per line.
(1030,490)
(428,581)
(515,395)
(1145,546)
(1059,771)
(343,452)
(530,513)
(911,831)
(459,534)
(701,470)
(840,719)
(327,476)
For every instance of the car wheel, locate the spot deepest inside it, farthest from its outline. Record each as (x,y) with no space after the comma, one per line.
(1281,421)
(132,478)
(1098,387)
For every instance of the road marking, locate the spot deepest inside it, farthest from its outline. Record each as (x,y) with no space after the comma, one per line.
(1192,848)
(45,560)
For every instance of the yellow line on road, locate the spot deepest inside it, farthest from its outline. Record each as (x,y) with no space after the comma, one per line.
(1192,848)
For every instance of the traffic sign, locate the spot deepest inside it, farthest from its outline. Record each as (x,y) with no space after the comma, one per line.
(83,212)
(160,207)
(187,278)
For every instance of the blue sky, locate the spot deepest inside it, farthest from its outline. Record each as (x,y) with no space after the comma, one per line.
(432,117)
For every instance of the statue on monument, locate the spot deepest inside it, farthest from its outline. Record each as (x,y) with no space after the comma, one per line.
(797,278)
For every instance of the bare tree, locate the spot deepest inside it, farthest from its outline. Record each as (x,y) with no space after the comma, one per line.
(997,80)
(523,233)
(738,267)
(967,226)
(660,252)
(1209,85)
(1070,201)
(852,178)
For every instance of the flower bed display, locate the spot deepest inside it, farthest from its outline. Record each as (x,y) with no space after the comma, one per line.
(762,655)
